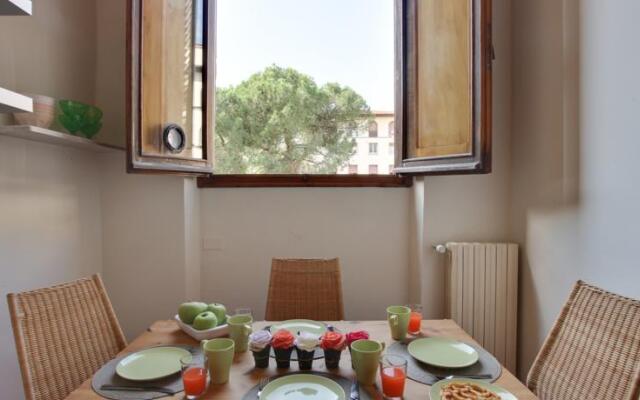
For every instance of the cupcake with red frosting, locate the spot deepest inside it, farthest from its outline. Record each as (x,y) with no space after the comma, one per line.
(283,343)
(333,343)
(353,336)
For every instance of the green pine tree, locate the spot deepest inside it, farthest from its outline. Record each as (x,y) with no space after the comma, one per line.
(279,121)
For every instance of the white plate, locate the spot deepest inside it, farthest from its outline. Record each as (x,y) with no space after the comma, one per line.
(218,331)
(502,393)
(152,363)
(302,387)
(300,325)
(443,352)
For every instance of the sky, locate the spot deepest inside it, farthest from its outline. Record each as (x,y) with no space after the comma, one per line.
(345,41)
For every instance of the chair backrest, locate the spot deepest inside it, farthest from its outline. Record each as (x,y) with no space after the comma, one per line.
(309,289)
(63,335)
(593,350)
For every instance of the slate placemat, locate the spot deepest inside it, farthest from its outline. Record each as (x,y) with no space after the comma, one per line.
(107,375)
(423,373)
(343,382)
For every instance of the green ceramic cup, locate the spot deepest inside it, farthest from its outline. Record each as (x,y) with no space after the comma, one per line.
(239,331)
(219,354)
(365,354)
(398,317)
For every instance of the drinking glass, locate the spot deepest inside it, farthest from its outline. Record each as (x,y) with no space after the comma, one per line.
(194,376)
(393,373)
(415,320)
(244,311)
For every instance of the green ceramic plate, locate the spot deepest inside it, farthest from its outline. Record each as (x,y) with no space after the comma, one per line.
(443,352)
(503,393)
(302,387)
(153,363)
(300,325)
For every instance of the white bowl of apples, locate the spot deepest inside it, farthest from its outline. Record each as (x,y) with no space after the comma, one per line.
(203,321)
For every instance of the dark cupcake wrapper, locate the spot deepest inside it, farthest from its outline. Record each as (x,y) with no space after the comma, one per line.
(305,359)
(332,358)
(283,357)
(262,357)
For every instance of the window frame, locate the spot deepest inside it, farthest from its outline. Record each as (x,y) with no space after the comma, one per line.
(306,180)
(405,110)
(303,180)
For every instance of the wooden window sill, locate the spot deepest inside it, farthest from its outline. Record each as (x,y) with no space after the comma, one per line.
(248,181)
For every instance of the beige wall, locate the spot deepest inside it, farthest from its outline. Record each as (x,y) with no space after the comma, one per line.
(367,228)
(50,228)
(149,234)
(110,83)
(50,207)
(575,131)
(52,52)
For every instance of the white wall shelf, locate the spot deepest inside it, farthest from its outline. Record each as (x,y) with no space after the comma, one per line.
(14,102)
(15,7)
(37,134)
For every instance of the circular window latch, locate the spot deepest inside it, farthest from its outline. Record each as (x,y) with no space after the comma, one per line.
(174,138)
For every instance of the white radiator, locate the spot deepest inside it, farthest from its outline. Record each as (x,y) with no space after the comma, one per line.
(482,295)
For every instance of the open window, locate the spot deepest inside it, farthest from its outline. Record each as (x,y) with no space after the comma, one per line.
(443,86)
(439,120)
(171,70)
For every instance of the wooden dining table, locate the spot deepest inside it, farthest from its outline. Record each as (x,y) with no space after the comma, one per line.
(244,376)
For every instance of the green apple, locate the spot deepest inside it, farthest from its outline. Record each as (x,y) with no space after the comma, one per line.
(188,311)
(219,310)
(205,320)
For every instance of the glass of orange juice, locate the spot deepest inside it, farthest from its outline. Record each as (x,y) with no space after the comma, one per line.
(415,320)
(194,376)
(393,373)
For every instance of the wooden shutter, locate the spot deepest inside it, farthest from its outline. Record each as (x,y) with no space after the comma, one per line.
(443,86)
(171,53)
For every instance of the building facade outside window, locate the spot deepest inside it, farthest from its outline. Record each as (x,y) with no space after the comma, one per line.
(373,169)
(353,168)
(392,128)
(362,158)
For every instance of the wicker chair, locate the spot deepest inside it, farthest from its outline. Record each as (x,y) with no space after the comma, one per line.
(593,350)
(310,289)
(63,335)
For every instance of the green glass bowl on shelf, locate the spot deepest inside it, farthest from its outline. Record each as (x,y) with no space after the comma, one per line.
(79,118)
